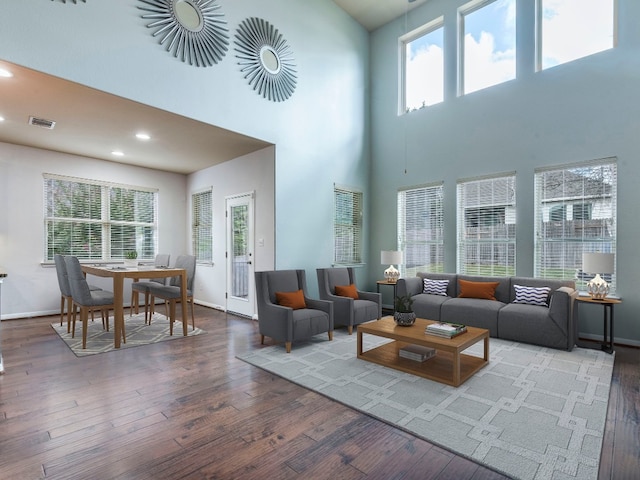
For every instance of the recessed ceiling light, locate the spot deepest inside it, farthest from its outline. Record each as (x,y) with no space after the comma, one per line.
(117,153)
(1,119)
(143,136)
(5,73)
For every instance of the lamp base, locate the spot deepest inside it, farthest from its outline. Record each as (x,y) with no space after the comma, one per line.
(598,288)
(391,275)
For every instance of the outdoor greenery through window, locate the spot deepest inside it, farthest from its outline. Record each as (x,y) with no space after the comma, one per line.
(423,67)
(487,226)
(97,220)
(572,29)
(420,229)
(347,221)
(575,213)
(489,33)
(202,228)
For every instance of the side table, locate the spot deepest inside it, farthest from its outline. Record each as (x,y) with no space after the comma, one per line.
(607,304)
(395,290)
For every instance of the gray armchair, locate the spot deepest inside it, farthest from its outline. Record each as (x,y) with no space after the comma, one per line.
(348,311)
(284,323)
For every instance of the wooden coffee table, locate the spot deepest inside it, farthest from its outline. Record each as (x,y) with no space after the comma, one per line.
(449,365)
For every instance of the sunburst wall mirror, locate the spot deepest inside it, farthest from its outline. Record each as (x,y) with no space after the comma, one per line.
(193,30)
(266,59)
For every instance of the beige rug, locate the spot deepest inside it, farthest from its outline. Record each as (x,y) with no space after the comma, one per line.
(137,333)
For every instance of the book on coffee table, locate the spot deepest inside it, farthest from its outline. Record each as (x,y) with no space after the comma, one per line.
(417,352)
(444,329)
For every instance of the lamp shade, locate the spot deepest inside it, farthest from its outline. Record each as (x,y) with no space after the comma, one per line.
(598,262)
(390,257)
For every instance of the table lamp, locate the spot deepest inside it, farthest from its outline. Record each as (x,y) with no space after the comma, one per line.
(390,257)
(598,263)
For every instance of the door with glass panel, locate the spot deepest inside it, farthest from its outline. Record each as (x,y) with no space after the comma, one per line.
(239,255)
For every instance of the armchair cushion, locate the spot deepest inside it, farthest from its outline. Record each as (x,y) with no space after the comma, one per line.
(294,300)
(347,291)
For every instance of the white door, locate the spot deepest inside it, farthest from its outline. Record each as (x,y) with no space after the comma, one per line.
(239,255)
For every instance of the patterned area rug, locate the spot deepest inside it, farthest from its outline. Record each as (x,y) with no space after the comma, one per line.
(137,333)
(531,413)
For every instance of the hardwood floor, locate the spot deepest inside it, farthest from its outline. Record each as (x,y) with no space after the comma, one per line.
(188,408)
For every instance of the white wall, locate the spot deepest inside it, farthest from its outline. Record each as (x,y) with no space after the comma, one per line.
(251,173)
(31,289)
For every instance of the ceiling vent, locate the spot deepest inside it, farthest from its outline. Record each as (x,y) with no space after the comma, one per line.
(41,122)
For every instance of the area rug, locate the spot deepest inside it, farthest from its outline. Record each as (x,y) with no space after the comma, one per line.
(531,413)
(137,333)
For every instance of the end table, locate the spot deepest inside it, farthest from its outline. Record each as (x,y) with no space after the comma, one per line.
(607,304)
(395,289)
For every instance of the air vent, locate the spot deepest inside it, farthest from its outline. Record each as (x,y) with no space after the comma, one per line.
(41,122)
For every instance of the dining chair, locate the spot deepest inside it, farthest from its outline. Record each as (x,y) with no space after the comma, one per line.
(85,299)
(161,260)
(65,291)
(172,293)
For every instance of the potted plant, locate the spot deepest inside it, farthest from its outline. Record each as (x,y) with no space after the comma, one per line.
(131,258)
(404,315)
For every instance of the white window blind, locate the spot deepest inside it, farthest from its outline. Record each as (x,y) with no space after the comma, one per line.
(420,229)
(575,213)
(487,226)
(202,228)
(347,232)
(97,220)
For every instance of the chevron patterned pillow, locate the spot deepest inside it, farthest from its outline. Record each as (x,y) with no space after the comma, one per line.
(532,295)
(435,287)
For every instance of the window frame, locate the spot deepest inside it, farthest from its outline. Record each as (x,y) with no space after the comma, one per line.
(201,227)
(109,241)
(348,235)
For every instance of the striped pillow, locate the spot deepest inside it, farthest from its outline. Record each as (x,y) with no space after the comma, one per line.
(532,295)
(435,287)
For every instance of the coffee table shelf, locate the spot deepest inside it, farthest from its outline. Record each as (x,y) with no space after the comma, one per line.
(449,366)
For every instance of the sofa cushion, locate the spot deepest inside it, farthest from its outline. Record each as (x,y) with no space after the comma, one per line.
(473,312)
(435,287)
(347,291)
(293,300)
(481,290)
(532,295)
(532,324)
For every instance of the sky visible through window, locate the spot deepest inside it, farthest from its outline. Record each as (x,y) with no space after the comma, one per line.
(570,29)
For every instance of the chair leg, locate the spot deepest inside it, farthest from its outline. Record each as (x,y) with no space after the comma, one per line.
(84,315)
(193,320)
(261,339)
(350,329)
(172,314)
(61,309)
(330,334)
(146,308)
(152,307)
(288,346)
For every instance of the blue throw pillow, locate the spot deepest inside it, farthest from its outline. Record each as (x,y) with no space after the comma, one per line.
(532,295)
(435,287)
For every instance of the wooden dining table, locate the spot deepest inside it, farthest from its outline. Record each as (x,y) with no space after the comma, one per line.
(119,273)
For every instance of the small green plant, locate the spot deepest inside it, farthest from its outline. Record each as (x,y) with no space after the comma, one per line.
(131,255)
(403,304)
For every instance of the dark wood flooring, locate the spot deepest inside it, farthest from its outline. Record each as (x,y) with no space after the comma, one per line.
(188,408)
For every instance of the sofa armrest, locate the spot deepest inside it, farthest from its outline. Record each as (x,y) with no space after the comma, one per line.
(561,305)
(409,286)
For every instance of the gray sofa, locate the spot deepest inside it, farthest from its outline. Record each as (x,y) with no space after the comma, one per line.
(553,326)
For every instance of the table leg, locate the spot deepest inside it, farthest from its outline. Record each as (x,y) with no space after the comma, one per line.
(607,345)
(486,349)
(359,339)
(456,369)
(118,304)
(185,319)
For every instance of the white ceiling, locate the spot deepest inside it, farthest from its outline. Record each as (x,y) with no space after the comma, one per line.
(92,123)
(372,14)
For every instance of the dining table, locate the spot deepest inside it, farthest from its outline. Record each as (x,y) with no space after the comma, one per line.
(119,273)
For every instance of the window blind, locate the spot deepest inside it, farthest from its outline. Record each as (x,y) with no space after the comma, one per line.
(347,231)
(202,228)
(421,229)
(575,213)
(97,220)
(487,226)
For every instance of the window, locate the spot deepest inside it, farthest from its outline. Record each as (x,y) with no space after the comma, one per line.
(420,229)
(487,226)
(586,194)
(489,47)
(423,66)
(202,228)
(572,29)
(98,221)
(347,230)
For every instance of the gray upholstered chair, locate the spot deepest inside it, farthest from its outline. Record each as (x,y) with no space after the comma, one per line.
(65,290)
(87,300)
(172,293)
(161,260)
(284,323)
(348,311)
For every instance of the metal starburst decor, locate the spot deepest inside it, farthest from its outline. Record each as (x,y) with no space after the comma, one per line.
(193,30)
(266,59)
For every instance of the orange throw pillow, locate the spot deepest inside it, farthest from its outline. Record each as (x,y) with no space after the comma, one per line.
(293,300)
(483,290)
(347,291)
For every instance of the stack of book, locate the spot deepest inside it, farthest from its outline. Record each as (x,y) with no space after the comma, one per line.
(417,353)
(446,330)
